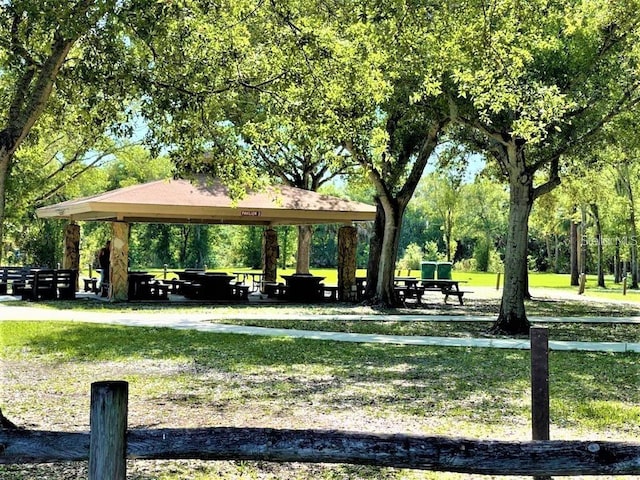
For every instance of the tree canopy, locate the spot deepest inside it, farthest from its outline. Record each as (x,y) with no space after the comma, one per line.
(223,87)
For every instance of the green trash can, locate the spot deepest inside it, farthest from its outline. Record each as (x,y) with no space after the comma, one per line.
(444,270)
(427,270)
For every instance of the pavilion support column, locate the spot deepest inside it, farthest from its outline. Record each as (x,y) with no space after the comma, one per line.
(347,246)
(71,259)
(119,262)
(270,255)
(305,233)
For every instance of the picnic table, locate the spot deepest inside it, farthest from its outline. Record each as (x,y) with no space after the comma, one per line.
(409,282)
(201,285)
(447,287)
(407,287)
(412,287)
(303,287)
(256,279)
(140,285)
(16,277)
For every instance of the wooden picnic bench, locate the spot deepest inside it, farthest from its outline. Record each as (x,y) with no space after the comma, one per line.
(175,285)
(90,284)
(17,277)
(190,289)
(406,292)
(240,291)
(65,283)
(158,290)
(408,288)
(275,289)
(329,292)
(42,287)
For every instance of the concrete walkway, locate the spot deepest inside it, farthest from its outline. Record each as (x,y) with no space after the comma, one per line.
(206,322)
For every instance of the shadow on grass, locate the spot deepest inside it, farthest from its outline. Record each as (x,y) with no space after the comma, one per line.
(579,308)
(482,382)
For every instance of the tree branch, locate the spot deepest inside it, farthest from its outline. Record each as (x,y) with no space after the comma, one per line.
(626,102)
(24,118)
(15,46)
(553,182)
(429,144)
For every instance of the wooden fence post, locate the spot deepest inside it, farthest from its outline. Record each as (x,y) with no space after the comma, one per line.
(539,337)
(108,420)
(498,282)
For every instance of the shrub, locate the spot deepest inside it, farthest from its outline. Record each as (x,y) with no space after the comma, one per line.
(495,262)
(411,258)
(431,252)
(466,265)
(481,254)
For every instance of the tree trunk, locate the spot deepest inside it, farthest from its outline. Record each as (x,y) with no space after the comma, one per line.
(375,251)
(633,244)
(448,234)
(583,241)
(394,204)
(556,253)
(185,231)
(347,248)
(385,292)
(573,255)
(547,242)
(305,233)
(596,218)
(617,268)
(33,87)
(512,318)
(5,158)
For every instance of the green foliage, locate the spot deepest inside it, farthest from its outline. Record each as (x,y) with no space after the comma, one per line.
(432,252)
(249,251)
(41,244)
(135,165)
(481,255)
(412,257)
(324,246)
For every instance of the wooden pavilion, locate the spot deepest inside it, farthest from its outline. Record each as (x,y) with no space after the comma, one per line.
(209,202)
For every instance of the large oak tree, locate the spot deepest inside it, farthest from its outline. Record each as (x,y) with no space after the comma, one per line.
(535,80)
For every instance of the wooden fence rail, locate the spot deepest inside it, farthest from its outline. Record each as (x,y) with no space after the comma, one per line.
(326,446)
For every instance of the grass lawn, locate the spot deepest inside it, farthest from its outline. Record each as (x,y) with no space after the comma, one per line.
(192,379)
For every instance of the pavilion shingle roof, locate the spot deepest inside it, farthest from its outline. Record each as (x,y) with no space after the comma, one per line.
(183,201)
